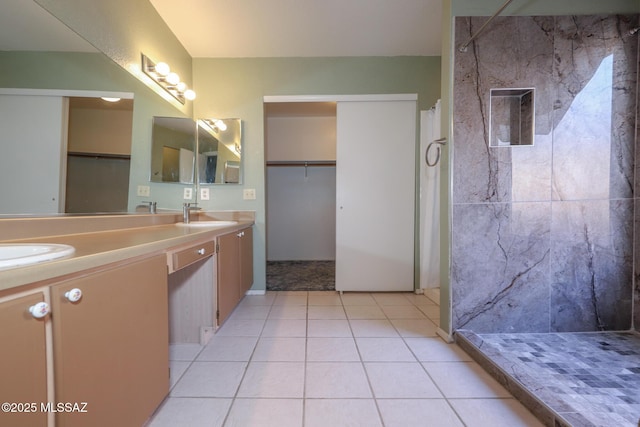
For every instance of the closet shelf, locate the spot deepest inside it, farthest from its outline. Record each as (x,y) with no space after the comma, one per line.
(304,163)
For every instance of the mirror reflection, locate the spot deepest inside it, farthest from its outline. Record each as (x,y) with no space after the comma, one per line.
(219,151)
(172,150)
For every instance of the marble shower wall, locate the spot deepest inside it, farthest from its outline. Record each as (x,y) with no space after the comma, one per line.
(542,235)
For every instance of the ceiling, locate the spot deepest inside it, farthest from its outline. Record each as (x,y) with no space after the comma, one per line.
(304,28)
(257,28)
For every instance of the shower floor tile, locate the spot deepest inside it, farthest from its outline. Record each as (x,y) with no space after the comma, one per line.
(581,379)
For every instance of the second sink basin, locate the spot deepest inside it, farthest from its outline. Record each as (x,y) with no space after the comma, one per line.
(207,223)
(21,254)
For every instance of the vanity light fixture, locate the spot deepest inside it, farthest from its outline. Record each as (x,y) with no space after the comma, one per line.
(216,124)
(109,99)
(160,72)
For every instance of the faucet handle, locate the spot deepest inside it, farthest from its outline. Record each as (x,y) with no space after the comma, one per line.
(152,206)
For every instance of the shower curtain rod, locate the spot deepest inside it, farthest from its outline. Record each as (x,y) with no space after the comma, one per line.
(463,47)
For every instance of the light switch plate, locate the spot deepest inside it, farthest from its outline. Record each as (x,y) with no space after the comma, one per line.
(204,194)
(144,191)
(188,193)
(249,194)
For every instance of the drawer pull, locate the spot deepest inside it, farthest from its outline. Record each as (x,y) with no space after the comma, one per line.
(39,310)
(201,251)
(73,295)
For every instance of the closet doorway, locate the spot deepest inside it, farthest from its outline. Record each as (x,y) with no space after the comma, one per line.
(300,151)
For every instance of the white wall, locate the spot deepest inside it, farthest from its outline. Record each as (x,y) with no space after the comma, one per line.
(33,131)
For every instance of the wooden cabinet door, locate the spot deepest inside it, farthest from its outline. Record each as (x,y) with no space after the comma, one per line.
(111,347)
(228,275)
(23,364)
(246,260)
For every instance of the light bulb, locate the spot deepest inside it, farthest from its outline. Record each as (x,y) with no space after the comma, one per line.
(181,86)
(109,99)
(189,94)
(221,125)
(173,79)
(162,68)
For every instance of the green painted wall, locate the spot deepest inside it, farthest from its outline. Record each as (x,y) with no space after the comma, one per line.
(236,87)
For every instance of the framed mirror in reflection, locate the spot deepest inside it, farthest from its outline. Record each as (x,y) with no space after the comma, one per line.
(173,150)
(219,151)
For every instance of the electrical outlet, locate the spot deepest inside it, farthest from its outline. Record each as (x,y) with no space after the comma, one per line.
(188,194)
(249,194)
(144,191)
(204,194)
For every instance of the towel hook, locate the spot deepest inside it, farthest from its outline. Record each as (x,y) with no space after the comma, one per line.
(438,142)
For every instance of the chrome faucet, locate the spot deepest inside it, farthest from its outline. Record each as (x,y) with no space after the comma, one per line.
(152,206)
(186,212)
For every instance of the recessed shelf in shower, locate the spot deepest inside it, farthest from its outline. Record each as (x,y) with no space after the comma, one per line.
(511,117)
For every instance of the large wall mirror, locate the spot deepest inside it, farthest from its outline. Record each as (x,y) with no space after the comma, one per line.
(173,150)
(39,54)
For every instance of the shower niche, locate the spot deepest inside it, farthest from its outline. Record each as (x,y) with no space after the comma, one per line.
(511,117)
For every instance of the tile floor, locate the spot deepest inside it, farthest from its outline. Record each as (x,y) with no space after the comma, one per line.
(321,359)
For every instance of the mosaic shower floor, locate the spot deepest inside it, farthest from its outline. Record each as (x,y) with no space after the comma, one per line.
(566,379)
(301,275)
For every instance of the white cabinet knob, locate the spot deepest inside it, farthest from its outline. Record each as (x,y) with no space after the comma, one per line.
(73,295)
(201,251)
(39,310)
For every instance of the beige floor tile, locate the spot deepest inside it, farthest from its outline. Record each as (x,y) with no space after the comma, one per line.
(191,412)
(431,311)
(336,380)
(364,312)
(280,349)
(464,380)
(288,312)
(273,380)
(332,350)
(251,312)
(417,299)
(184,352)
(436,350)
(176,370)
(341,413)
(384,350)
(285,328)
(357,298)
(400,380)
(328,328)
(265,413)
(494,413)
(403,312)
(253,300)
(415,327)
(418,413)
(391,298)
(376,328)
(210,379)
(241,328)
(228,349)
(326,312)
(324,299)
(291,298)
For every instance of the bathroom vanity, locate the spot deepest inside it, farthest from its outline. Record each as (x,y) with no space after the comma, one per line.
(98,352)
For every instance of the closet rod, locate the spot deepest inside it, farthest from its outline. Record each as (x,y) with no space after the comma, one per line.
(304,163)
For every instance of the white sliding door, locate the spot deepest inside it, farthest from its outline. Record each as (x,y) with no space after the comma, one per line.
(375,192)
(32,165)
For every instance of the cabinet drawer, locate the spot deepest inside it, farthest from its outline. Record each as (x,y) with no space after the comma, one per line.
(183,258)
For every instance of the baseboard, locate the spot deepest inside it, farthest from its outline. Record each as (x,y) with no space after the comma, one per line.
(256,292)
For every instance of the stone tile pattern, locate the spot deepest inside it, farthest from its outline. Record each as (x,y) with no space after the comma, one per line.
(585,379)
(301,275)
(542,235)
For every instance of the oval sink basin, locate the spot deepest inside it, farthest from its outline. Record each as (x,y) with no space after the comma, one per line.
(21,254)
(207,223)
